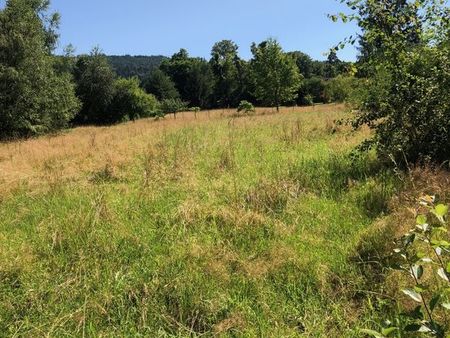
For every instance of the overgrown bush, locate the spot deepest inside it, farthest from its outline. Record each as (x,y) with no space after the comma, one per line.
(312,88)
(405,59)
(340,88)
(409,107)
(132,102)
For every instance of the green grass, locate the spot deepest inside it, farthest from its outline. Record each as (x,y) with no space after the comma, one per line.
(234,229)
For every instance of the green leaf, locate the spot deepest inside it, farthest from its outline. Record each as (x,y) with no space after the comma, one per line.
(434,301)
(441,210)
(421,219)
(446,306)
(413,295)
(388,331)
(372,333)
(417,271)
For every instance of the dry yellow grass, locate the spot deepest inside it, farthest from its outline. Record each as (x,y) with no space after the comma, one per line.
(78,152)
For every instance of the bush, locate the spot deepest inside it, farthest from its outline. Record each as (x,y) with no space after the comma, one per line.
(313,87)
(409,108)
(131,102)
(406,99)
(308,100)
(172,106)
(340,88)
(246,107)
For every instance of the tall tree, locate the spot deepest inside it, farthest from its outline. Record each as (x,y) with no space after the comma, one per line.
(161,85)
(275,75)
(304,63)
(224,63)
(95,87)
(200,83)
(34,99)
(193,77)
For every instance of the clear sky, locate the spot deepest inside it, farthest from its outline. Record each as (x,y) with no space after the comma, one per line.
(153,27)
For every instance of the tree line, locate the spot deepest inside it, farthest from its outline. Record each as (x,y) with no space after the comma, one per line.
(42,92)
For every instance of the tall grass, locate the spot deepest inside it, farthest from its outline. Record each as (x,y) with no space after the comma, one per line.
(189,228)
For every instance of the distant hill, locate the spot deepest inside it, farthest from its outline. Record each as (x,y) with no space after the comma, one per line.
(129,66)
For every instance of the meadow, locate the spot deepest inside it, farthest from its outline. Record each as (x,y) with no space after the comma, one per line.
(203,225)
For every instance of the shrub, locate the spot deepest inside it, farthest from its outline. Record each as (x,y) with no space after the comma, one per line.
(313,87)
(246,107)
(172,106)
(410,110)
(339,89)
(423,256)
(406,96)
(308,100)
(131,102)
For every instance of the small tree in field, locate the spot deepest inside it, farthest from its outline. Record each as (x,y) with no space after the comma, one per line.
(246,107)
(274,74)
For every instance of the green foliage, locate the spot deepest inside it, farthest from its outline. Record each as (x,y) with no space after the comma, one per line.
(193,78)
(95,87)
(408,107)
(172,106)
(34,99)
(159,84)
(423,256)
(340,88)
(131,102)
(194,109)
(406,98)
(312,91)
(275,75)
(246,107)
(225,65)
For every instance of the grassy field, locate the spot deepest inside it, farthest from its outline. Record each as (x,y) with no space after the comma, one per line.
(208,226)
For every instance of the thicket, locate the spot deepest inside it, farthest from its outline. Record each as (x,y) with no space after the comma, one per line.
(404,62)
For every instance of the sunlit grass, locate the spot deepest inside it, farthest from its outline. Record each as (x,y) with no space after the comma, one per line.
(188,227)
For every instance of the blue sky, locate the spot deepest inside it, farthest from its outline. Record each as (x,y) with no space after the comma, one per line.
(151,27)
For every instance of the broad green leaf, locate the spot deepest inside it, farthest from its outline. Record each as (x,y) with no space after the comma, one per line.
(441,210)
(421,219)
(373,333)
(434,301)
(388,331)
(413,295)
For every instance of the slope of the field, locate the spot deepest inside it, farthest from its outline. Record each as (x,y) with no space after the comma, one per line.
(186,227)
